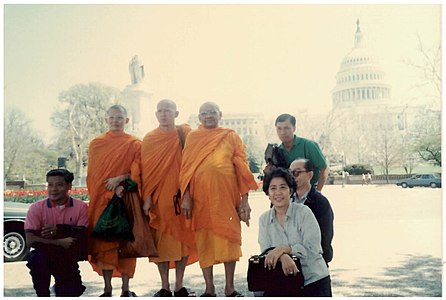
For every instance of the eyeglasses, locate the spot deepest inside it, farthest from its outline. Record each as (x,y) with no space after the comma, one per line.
(296,173)
(208,113)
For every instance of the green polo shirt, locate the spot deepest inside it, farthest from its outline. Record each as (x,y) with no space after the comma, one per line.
(304,148)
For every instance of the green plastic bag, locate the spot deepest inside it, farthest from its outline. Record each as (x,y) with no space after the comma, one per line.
(113,224)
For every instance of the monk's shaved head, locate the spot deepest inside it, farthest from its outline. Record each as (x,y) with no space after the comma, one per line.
(209,105)
(118,107)
(167,103)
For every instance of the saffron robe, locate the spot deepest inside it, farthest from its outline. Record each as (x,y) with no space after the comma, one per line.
(109,155)
(215,168)
(161,154)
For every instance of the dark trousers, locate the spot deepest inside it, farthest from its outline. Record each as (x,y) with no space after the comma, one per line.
(43,264)
(320,288)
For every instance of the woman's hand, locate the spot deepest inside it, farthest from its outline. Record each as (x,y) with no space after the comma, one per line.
(272,257)
(288,265)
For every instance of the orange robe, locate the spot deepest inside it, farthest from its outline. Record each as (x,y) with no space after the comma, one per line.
(215,168)
(110,155)
(161,154)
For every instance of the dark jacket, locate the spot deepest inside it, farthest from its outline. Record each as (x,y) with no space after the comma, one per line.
(321,208)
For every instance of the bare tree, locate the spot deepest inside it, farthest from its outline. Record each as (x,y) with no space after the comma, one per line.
(24,151)
(81,118)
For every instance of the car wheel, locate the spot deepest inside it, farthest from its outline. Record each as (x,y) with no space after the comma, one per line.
(14,246)
(404,185)
(433,185)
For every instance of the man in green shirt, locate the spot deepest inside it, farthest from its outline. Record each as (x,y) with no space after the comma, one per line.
(294,147)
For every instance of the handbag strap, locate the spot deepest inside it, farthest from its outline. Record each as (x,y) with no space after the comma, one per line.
(180,136)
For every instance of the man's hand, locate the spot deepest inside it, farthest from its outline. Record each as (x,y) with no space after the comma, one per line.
(147,205)
(66,242)
(49,231)
(244,210)
(112,183)
(119,191)
(187,204)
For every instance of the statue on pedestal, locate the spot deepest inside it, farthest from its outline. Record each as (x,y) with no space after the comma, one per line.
(136,70)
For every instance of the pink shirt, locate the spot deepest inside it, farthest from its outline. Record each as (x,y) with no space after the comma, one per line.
(43,212)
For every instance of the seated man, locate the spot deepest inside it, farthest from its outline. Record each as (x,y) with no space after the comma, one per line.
(55,230)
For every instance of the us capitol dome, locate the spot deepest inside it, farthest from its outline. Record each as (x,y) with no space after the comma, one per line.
(360,80)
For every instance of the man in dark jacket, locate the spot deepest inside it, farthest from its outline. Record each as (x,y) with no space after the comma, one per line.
(303,170)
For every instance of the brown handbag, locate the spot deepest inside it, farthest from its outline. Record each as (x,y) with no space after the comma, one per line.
(143,245)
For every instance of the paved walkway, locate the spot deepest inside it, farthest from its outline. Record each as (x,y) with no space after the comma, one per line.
(387,242)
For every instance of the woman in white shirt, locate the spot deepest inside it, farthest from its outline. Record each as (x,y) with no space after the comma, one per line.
(292,229)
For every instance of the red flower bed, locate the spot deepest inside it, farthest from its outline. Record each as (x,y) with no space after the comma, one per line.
(30,196)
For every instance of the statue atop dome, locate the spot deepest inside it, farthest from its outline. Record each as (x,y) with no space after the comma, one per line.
(136,69)
(359,41)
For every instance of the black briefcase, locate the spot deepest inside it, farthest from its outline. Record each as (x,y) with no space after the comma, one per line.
(274,282)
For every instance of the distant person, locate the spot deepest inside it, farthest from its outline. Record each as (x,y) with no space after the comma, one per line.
(364,180)
(293,147)
(369,178)
(292,229)
(302,171)
(161,154)
(112,158)
(215,180)
(56,231)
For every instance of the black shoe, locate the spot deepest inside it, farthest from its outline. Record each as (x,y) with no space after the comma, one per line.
(183,292)
(106,294)
(163,293)
(128,294)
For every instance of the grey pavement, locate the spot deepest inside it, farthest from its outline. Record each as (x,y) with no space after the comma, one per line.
(388,242)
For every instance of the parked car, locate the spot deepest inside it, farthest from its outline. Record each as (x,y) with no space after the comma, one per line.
(432,180)
(14,242)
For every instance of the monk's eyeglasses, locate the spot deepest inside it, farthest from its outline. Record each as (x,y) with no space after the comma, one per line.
(208,113)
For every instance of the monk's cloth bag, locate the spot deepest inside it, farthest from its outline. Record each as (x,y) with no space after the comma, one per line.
(114,223)
(274,282)
(143,244)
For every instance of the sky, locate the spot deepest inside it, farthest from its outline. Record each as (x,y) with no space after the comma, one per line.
(248,58)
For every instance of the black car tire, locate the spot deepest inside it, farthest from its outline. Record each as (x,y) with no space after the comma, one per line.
(14,246)
(433,185)
(404,185)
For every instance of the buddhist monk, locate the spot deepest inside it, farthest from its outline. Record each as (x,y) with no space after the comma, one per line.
(112,157)
(161,154)
(215,180)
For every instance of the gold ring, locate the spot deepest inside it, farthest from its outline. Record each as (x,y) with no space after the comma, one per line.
(291,273)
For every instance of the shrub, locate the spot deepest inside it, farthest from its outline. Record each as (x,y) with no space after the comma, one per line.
(358,169)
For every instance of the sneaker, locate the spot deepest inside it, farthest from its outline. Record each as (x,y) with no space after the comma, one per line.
(163,293)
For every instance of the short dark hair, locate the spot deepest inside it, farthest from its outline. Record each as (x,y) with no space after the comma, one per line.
(309,165)
(284,117)
(279,172)
(67,175)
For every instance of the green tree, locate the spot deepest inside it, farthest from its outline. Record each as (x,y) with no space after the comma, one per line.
(80,118)
(25,155)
